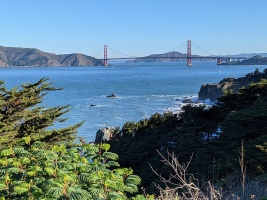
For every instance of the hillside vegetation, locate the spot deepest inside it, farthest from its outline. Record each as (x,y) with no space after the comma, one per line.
(216,152)
(210,136)
(31,57)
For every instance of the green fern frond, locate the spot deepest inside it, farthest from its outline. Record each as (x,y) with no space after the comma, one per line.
(90,148)
(84,168)
(49,170)
(84,160)
(116,196)
(13,170)
(119,171)
(20,151)
(2,185)
(38,144)
(37,192)
(66,166)
(78,194)
(133,179)
(38,152)
(68,178)
(31,173)
(39,180)
(3,162)
(110,155)
(25,160)
(16,164)
(3,170)
(116,185)
(85,177)
(25,140)
(93,178)
(112,163)
(105,147)
(73,150)
(131,188)
(20,190)
(94,192)
(49,155)
(54,191)
(7,152)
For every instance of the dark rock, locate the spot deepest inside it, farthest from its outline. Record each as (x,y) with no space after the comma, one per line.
(210,91)
(214,91)
(111,96)
(187,101)
(104,134)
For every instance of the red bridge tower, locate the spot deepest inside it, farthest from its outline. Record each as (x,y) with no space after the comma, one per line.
(105,55)
(189,59)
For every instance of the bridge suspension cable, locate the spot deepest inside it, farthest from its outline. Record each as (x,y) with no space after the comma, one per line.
(98,52)
(130,56)
(188,56)
(202,49)
(179,46)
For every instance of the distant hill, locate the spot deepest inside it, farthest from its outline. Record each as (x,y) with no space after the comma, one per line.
(255,60)
(249,55)
(31,57)
(164,58)
(160,57)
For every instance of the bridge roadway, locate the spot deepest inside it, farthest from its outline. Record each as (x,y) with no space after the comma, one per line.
(183,57)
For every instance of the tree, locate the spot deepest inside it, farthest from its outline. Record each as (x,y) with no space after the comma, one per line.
(21,116)
(212,134)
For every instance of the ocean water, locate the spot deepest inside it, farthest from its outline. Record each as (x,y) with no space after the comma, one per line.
(141,89)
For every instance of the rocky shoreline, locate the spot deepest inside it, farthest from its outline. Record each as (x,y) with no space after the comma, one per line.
(207,95)
(215,90)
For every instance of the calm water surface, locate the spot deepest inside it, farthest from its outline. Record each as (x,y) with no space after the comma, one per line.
(141,89)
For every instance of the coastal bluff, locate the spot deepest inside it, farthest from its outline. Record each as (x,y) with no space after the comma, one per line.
(31,57)
(215,90)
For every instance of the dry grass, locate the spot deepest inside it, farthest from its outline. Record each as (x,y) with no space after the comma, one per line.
(183,186)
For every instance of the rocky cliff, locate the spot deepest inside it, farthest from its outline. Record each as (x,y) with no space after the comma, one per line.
(13,56)
(215,90)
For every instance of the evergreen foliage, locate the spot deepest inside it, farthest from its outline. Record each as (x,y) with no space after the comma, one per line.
(37,171)
(212,135)
(21,115)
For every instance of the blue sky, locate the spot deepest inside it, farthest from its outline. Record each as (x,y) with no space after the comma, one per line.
(135,27)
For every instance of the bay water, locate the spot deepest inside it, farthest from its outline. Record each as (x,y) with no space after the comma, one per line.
(141,89)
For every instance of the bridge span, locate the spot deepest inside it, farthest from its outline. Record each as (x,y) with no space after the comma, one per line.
(220,59)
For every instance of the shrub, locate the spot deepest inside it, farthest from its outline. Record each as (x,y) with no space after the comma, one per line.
(38,171)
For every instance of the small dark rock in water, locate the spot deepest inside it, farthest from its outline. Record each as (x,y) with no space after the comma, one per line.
(187,101)
(112,96)
(93,105)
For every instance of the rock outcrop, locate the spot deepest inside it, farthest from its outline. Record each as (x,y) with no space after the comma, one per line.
(104,134)
(30,57)
(213,91)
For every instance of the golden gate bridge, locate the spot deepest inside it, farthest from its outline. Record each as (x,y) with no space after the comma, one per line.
(188,57)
